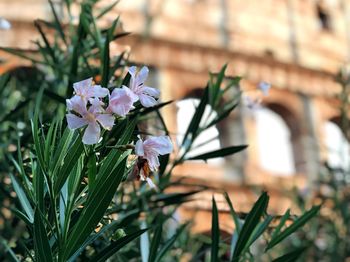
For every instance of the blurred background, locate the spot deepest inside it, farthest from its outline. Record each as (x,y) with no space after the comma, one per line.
(295,137)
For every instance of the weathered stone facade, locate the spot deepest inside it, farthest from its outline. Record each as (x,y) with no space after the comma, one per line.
(296,45)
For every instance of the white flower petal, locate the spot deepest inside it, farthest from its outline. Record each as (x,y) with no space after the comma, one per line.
(75,122)
(121,101)
(161,144)
(142,75)
(92,134)
(264,87)
(151,91)
(139,148)
(132,71)
(106,121)
(99,91)
(81,87)
(147,101)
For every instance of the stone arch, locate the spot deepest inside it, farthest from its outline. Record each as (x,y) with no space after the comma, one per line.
(286,128)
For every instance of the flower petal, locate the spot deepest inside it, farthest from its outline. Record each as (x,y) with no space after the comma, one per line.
(77,104)
(132,71)
(81,87)
(91,134)
(121,101)
(99,91)
(75,122)
(4,24)
(142,75)
(139,148)
(151,91)
(161,144)
(106,120)
(147,101)
(153,160)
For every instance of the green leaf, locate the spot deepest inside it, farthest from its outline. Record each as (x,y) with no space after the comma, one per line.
(250,224)
(174,198)
(215,233)
(97,203)
(116,245)
(293,227)
(192,128)
(10,254)
(107,9)
(169,244)
(291,256)
(124,219)
(57,22)
(105,61)
(219,153)
(41,242)
(23,199)
(71,157)
(282,222)
(235,217)
(157,237)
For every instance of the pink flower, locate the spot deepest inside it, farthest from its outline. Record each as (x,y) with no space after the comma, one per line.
(152,147)
(84,90)
(91,117)
(146,94)
(121,101)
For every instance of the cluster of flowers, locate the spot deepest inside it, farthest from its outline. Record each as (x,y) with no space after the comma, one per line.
(87,108)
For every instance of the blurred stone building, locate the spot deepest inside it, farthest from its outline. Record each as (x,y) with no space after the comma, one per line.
(296,45)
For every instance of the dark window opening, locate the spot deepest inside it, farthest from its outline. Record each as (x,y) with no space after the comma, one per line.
(324,18)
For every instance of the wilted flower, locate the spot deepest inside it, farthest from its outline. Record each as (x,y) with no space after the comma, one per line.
(152,147)
(264,87)
(121,101)
(90,117)
(4,24)
(84,90)
(146,94)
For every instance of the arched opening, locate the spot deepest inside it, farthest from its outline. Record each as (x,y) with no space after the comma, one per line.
(337,145)
(208,140)
(276,150)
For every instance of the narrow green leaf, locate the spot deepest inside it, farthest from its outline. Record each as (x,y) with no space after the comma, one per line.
(157,238)
(105,63)
(116,245)
(70,160)
(23,199)
(41,242)
(293,227)
(250,224)
(57,22)
(235,217)
(192,128)
(219,153)
(9,252)
(107,9)
(291,256)
(169,244)
(215,232)
(282,222)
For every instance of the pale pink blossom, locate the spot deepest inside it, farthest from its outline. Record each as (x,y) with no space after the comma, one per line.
(147,95)
(121,101)
(85,90)
(264,87)
(151,148)
(92,117)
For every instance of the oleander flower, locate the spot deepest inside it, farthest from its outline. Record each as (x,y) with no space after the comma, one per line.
(93,117)
(85,90)
(121,101)
(264,87)
(147,95)
(151,148)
